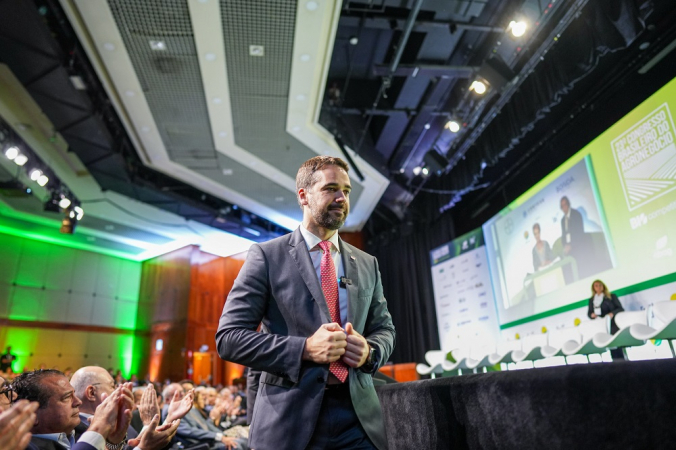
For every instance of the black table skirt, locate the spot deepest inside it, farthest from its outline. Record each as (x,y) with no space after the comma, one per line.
(620,405)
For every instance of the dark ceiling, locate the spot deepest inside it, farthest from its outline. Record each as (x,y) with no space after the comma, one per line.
(400,70)
(574,73)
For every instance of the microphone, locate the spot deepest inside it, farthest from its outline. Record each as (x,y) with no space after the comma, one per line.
(344,282)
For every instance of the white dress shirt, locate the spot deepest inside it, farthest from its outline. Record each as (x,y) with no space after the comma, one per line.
(598,299)
(316,252)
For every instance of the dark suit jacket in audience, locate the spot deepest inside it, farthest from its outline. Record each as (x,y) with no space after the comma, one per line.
(84,424)
(46,444)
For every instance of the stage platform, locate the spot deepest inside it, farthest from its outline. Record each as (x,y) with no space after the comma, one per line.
(622,405)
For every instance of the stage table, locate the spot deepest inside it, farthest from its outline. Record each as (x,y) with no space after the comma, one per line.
(621,405)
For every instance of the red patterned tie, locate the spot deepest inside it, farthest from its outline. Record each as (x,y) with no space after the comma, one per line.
(330,288)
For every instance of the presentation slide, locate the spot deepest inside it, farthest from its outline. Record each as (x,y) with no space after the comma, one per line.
(462,294)
(553,239)
(608,213)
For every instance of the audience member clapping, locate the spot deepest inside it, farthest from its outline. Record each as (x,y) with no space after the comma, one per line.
(16,421)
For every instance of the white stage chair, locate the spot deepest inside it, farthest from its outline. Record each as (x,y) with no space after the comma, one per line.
(623,338)
(585,346)
(664,313)
(434,358)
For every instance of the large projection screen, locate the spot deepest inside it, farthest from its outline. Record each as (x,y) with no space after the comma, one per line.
(608,213)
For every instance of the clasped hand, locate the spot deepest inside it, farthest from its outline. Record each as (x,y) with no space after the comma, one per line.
(331,342)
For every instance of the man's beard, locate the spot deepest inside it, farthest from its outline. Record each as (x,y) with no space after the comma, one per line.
(323,217)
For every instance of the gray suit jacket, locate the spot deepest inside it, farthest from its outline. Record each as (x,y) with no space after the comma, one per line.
(278,286)
(46,444)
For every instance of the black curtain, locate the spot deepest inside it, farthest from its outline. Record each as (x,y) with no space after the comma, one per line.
(407,282)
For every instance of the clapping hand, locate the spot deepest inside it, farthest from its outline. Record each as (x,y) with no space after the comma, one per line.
(155,437)
(148,407)
(178,407)
(15,425)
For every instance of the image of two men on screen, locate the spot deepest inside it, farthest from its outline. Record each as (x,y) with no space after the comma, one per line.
(586,249)
(553,239)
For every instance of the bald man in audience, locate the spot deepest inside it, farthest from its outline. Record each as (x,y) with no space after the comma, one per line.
(91,384)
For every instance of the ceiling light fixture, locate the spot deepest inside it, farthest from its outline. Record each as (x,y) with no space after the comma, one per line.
(79,213)
(478,86)
(312,6)
(64,203)
(157,45)
(518,28)
(251,231)
(43,180)
(109,46)
(20,159)
(256,50)
(35,174)
(452,126)
(305,57)
(417,170)
(12,152)
(210,57)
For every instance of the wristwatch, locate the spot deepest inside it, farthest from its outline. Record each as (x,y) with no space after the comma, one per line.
(371,361)
(120,446)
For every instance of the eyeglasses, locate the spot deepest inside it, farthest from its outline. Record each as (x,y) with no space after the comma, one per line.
(8,391)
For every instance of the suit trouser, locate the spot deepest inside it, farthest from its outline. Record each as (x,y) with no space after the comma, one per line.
(338,426)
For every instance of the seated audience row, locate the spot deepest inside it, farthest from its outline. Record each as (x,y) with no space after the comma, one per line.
(44,410)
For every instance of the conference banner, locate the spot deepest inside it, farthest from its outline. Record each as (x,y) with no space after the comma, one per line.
(463,296)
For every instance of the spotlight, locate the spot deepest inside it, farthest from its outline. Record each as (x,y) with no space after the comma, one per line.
(79,212)
(417,170)
(20,159)
(43,180)
(354,40)
(12,152)
(453,126)
(425,171)
(478,86)
(35,174)
(518,28)
(64,203)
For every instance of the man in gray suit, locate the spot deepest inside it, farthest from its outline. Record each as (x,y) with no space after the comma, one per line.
(325,326)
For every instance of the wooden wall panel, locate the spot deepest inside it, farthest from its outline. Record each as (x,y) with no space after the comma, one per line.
(181,300)
(356,239)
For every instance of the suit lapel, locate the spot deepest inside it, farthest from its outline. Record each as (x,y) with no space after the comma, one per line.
(300,254)
(354,305)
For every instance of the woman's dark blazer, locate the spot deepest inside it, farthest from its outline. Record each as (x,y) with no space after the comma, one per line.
(609,305)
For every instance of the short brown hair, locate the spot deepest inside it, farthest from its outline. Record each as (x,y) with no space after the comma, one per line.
(305,176)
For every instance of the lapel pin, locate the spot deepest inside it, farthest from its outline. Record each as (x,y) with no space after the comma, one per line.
(353,258)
